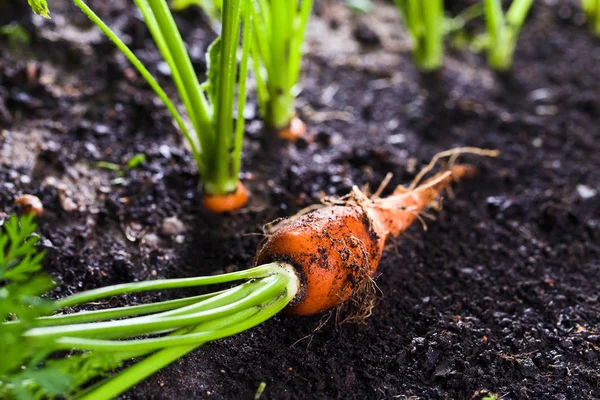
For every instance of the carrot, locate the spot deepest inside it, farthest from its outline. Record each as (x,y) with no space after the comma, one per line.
(294,131)
(336,249)
(226,202)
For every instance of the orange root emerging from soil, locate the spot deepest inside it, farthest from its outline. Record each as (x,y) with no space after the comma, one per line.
(337,248)
(228,202)
(295,131)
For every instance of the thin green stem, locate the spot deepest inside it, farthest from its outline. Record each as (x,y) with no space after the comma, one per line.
(266,294)
(425,21)
(242,91)
(159,284)
(243,296)
(298,38)
(223,182)
(120,382)
(181,86)
(120,312)
(279,28)
(144,72)
(503,31)
(166,23)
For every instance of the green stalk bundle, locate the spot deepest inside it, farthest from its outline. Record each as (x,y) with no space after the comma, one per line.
(278,34)
(503,31)
(34,332)
(214,138)
(425,23)
(591,8)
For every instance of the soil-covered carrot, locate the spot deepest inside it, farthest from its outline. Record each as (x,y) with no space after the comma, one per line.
(336,249)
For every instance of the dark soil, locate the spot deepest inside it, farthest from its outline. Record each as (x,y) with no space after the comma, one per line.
(500,294)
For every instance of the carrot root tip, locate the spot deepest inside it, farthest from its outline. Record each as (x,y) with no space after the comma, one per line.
(227,202)
(294,131)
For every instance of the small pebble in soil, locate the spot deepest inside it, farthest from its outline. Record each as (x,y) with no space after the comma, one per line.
(172,226)
(586,192)
(163,68)
(165,151)
(397,139)
(366,35)
(30,204)
(537,143)
(528,368)
(66,202)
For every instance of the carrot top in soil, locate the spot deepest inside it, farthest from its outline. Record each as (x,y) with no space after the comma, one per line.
(509,304)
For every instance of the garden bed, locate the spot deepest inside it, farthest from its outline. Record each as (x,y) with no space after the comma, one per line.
(500,294)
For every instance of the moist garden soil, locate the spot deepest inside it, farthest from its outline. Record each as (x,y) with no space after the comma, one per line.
(499,294)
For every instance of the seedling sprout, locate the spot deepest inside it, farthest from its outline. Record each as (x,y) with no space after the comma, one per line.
(278,34)
(214,138)
(503,31)
(591,8)
(424,21)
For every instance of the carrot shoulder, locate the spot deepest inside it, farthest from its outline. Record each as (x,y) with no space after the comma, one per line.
(335,248)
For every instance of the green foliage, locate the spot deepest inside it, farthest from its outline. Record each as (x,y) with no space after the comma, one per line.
(98,341)
(591,8)
(21,286)
(213,62)
(15,33)
(26,371)
(491,396)
(424,21)
(212,8)
(135,161)
(217,143)
(278,32)
(40,7)
(503,31)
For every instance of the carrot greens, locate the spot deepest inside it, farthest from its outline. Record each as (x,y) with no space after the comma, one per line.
(503,31)
(212,8)
(35,332)
(591,8)
(214,138)
(424,21)
(278,34)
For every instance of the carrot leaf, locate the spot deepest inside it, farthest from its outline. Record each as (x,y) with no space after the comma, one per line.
(40,7)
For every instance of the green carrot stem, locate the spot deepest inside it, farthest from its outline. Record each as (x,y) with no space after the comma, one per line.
(120,312)
(276,289)
(122,381)
(145,74)
(165,21)
(222,181)
(160,284)
(503,30)
(300,24)
(242,94)
(180,84)
(241,297)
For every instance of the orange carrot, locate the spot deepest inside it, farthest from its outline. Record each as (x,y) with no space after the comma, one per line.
(227,202)
(337,248)
(295,131)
